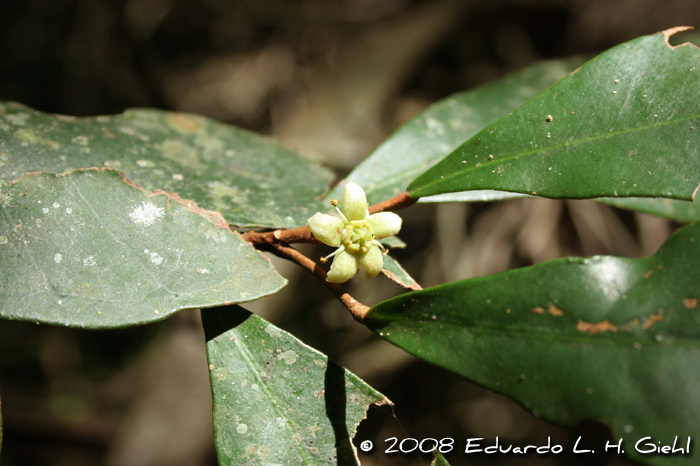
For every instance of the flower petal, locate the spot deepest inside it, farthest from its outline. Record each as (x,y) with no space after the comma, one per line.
(373,262)
(327,229)
(384,224)
(344,267)
(354,202)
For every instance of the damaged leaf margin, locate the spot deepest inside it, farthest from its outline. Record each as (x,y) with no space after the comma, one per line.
(277,400)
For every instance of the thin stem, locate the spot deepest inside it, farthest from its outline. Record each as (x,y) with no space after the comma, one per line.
(357,309)
(294,235)
(398,202)
(304,235)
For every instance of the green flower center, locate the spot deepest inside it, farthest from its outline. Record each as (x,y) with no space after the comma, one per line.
(358,236)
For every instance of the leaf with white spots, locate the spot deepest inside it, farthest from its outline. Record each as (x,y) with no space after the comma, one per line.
(605,338)
(250,179)
(625,124)
(146,214)
(277,400)
(88,249)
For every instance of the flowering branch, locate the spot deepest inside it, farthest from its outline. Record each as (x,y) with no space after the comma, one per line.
(303,234)
(353,233)
(357,309)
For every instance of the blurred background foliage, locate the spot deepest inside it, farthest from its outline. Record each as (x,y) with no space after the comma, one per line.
(332,78)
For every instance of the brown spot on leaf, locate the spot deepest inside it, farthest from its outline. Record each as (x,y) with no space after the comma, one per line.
(538,310)
(691,303)
(629,326)
(555,311)
(652,320)
(648,274)
(593,328)
(184,122)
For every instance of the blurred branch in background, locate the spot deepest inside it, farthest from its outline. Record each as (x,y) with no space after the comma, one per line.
(341,110)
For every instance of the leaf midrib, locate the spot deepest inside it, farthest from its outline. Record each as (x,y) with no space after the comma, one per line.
(619,339)
(550,148)
(243,348)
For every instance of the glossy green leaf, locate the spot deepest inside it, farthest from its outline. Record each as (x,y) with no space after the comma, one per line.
(89,249)
(249,179)
(604,338)
(398,274)
(673,209)
(436,132)
(626,123)
(276,400)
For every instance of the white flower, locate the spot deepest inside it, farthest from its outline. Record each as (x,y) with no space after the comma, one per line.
(355,234)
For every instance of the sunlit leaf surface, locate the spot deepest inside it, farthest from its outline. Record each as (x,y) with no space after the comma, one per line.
(627,123)
(250,179)
(88,249)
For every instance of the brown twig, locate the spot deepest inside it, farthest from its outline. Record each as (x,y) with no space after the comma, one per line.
(357,309)
(303,234)
(398,202)
(294,235)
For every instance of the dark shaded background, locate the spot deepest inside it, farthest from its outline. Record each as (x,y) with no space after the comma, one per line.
(332,78)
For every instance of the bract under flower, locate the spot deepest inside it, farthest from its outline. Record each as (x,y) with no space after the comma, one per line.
(355,234)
